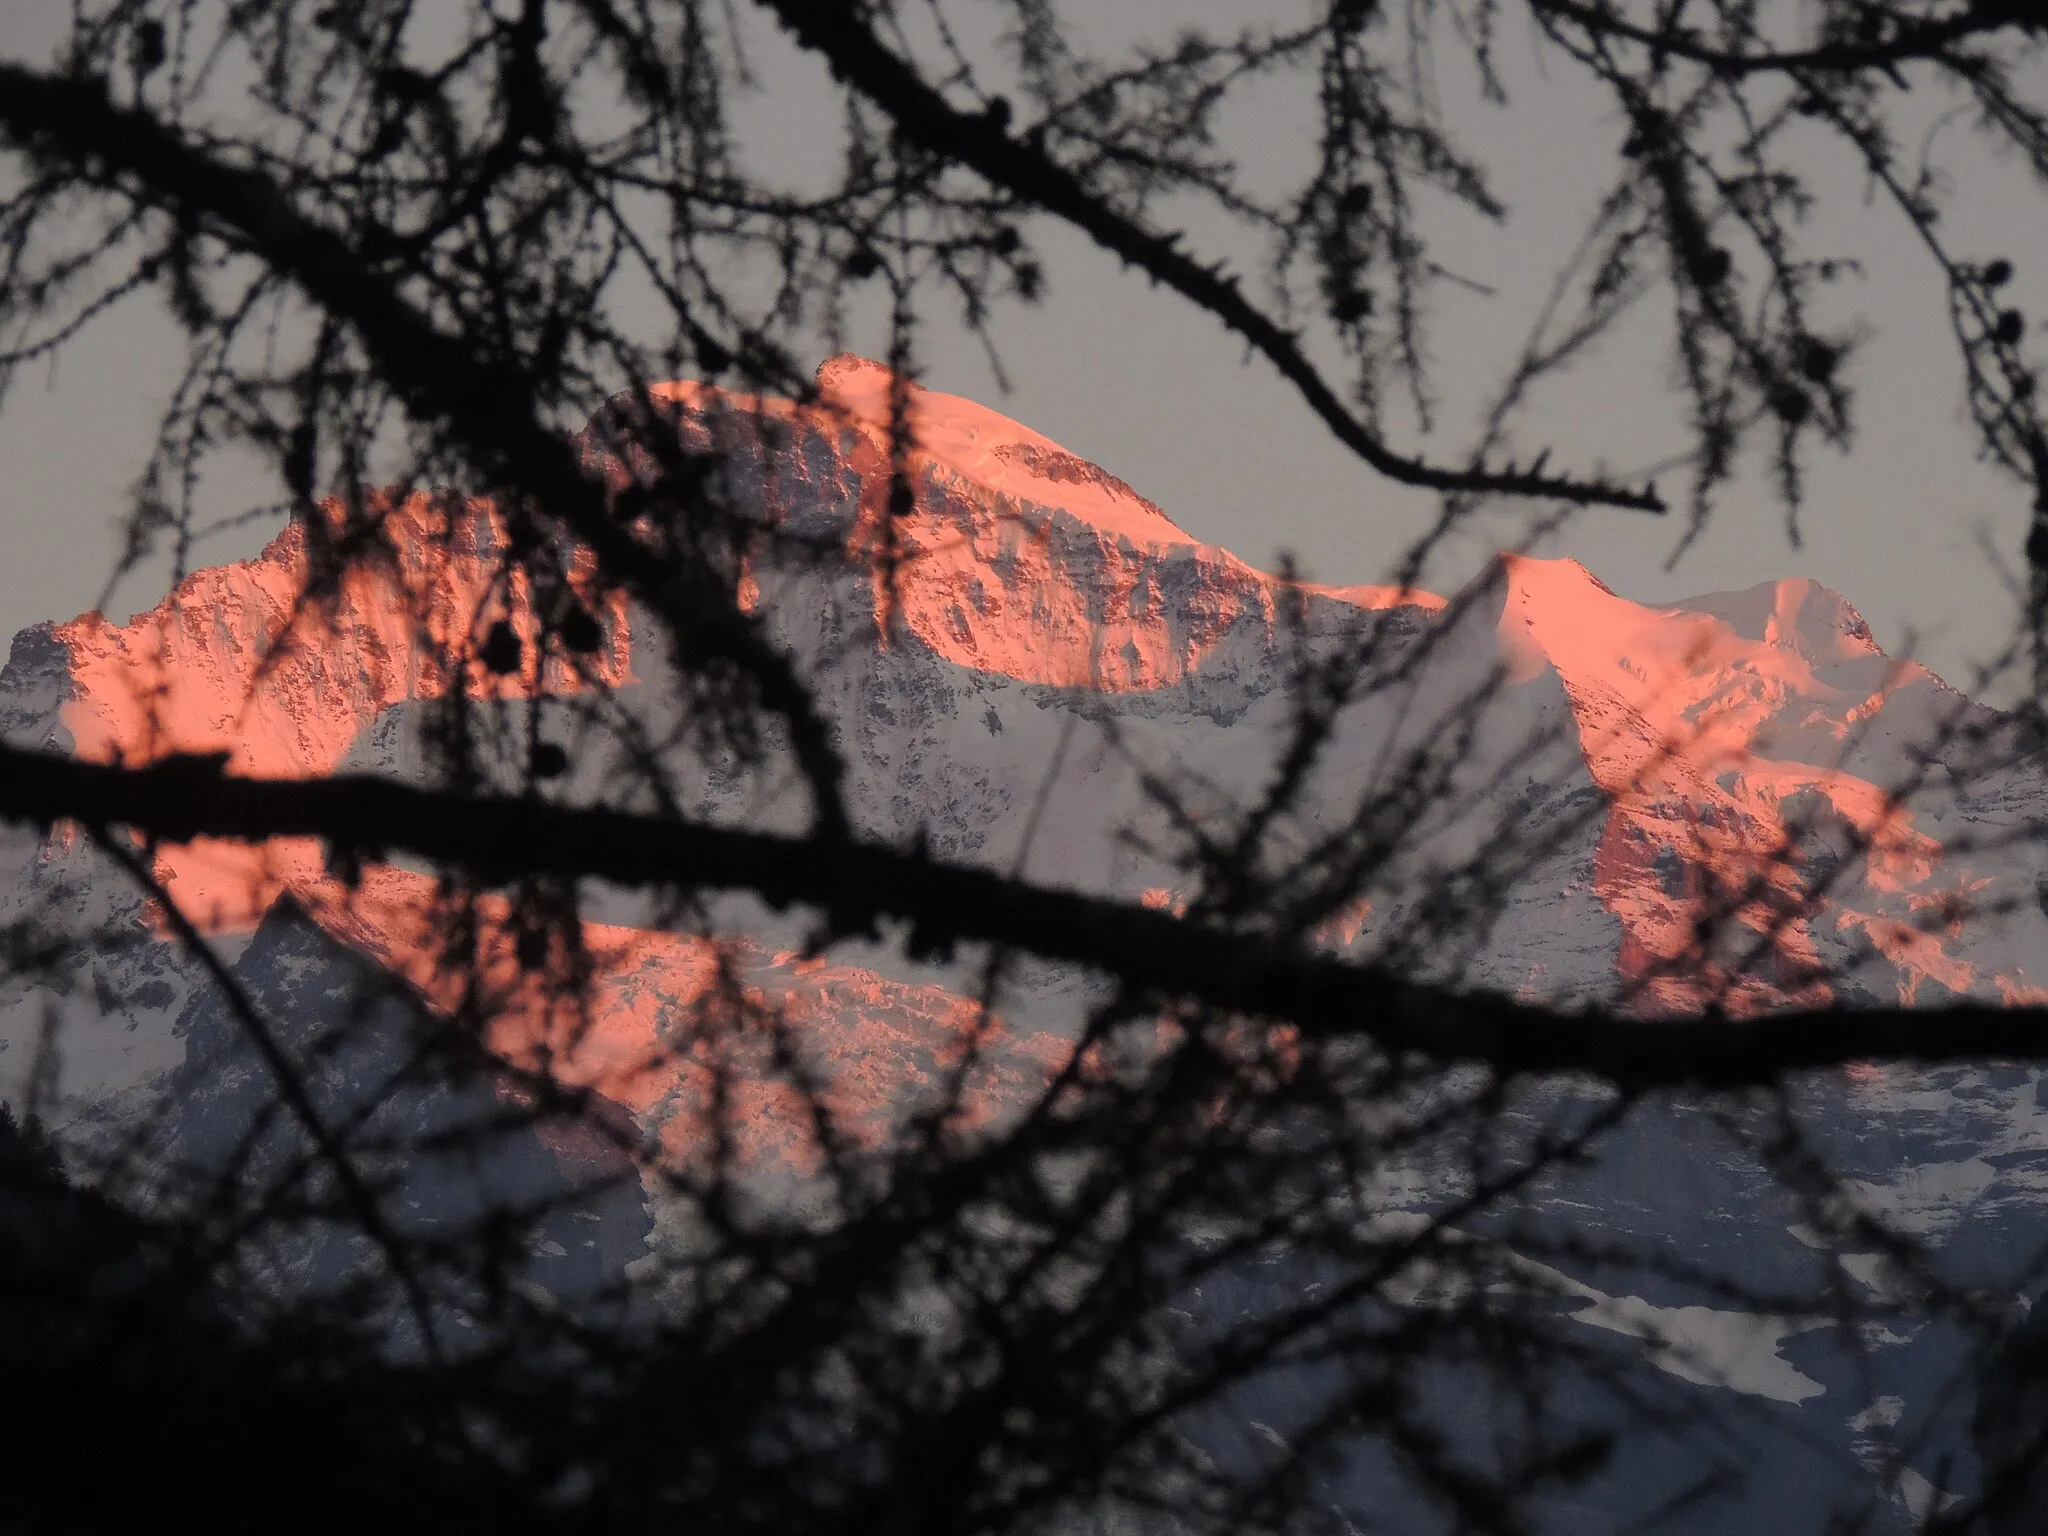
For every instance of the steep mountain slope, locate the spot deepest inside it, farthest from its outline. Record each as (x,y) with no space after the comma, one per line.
(1735,800)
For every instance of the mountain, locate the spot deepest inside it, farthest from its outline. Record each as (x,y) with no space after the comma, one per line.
(1736,800)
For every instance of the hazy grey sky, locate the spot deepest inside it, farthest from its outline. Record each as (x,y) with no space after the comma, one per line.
(1135,379)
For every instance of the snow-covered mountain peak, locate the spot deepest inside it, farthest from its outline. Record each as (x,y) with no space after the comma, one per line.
(1014,556)
(989,449)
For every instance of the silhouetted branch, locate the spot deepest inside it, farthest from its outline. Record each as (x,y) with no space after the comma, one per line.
(1910,40)
(841,36)
(858,884)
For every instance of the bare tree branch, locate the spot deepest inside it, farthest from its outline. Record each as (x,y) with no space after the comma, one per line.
(859,883)
(839,34)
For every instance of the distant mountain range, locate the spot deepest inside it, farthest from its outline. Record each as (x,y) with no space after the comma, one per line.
(1735,800)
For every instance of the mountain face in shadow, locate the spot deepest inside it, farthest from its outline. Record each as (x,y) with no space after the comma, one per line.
(440,1144)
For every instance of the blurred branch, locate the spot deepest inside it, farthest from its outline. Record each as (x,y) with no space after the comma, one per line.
(1911,40)
(859,883)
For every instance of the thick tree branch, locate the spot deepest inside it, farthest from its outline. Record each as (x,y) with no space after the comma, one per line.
(836,31)
(1918,40)
(859,884)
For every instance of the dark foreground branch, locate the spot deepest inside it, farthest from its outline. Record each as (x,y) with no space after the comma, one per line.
(839,34)
(859,884)
(1910,39)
